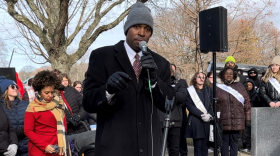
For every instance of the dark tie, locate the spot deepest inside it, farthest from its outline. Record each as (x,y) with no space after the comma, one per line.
(137,67)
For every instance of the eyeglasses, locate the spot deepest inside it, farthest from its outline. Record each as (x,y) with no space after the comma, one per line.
(252,73)
(14,86)
(200,77)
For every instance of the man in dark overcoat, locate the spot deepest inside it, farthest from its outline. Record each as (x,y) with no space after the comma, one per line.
(117,90)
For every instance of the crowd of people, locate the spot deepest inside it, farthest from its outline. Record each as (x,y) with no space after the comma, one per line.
(37,121)
(124,94)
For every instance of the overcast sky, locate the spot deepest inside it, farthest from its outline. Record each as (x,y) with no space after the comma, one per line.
(109,37)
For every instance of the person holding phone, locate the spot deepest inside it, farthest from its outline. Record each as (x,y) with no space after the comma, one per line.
(45,122)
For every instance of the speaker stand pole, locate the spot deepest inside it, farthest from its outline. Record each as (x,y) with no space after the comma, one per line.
(215,104)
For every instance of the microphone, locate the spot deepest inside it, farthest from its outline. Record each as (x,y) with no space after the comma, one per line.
(143,47)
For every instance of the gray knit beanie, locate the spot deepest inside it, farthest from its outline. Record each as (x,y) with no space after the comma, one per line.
(139,14)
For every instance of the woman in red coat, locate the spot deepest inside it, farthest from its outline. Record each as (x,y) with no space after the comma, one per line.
(45,123)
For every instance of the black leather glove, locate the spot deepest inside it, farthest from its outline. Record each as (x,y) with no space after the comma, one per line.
(71,121)
(147,62)
(76,117)
(117,81)
(20,133)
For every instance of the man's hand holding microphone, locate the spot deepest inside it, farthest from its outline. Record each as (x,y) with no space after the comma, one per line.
(148,64)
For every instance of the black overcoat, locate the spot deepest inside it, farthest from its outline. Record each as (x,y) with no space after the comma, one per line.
(124,124)
(196,128)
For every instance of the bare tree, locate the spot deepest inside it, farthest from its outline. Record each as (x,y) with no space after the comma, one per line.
(51,26)
(26,72)
(177,33)
(248,24)
(3,54)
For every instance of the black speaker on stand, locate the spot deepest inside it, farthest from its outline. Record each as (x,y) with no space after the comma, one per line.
(213,30)
(213,37)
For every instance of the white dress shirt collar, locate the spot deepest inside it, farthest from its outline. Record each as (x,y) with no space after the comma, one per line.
(131,53)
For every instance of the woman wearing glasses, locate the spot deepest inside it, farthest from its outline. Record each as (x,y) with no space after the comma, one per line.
(253,75)
(270,87)
(199,104)
(14,109)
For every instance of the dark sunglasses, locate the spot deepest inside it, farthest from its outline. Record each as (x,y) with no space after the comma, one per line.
(14,86)
(252,72)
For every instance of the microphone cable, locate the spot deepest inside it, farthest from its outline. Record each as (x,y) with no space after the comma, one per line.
(143,47)
(150,89)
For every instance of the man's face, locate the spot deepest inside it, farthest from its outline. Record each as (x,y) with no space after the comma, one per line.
(136,34)
(253,73)
(230,64)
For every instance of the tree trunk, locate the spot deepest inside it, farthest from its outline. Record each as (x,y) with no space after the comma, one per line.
(63,64)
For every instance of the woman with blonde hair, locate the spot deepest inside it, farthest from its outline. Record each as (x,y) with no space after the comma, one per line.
(270,88)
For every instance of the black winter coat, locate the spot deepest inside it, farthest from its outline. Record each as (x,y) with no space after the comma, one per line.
(268,93)
(196,128)
(125,123)
(16,117)
(254,97)
(242,79)
(6,126)
(176,116)
(254,78)
(75,101)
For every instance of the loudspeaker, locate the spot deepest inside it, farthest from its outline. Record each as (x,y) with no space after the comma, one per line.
(213,30)
(9,73)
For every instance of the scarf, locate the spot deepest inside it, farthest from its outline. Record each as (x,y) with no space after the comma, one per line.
(36,106)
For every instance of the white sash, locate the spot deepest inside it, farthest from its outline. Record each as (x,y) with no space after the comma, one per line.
(275,84)
(196,99)
(233,92)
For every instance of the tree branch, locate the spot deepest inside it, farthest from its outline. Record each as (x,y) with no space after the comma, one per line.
(85,43)
(111,7)
(79,27)
(38,14)
(25,21)
(60,29)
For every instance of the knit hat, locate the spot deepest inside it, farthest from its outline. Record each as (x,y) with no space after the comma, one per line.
(276,60)
(139,14)
(5,83)
(230,58)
